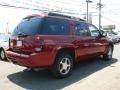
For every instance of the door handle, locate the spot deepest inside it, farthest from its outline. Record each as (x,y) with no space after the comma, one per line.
(86,44)
(75,42)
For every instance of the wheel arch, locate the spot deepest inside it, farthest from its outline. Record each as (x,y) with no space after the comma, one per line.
(111,44)
(70,51)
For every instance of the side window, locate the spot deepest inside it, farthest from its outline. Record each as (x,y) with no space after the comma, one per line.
(81,29)
(94,31)
(55,26)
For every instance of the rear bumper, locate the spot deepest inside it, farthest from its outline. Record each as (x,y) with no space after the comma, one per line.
(34,60)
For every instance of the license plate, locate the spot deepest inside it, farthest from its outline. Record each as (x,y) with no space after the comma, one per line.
(19,43)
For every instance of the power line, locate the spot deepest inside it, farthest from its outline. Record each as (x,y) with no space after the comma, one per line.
(12,6)
(110,19)
(57,11)
(67,3)
(42,10)
(77,3)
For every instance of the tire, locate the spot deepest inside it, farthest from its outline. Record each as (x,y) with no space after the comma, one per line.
(63,65)
(108,55)
(2,54)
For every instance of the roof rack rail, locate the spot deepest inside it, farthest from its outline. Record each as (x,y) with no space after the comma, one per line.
(61,15)
(56,14)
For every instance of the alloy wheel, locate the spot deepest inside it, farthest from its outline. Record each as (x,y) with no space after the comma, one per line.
(65,66)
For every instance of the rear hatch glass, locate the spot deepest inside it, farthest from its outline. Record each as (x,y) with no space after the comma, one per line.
(28,26)
(25,33)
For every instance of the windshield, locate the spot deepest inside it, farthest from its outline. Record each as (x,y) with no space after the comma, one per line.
(28,26)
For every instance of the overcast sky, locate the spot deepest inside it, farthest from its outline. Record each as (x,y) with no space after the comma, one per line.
(110,11)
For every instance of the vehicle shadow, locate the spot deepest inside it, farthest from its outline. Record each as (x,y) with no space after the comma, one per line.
(42,80)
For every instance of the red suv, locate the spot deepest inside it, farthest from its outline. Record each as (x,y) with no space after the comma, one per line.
(56,42)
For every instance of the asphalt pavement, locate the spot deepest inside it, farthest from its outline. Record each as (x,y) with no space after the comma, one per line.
(95,74)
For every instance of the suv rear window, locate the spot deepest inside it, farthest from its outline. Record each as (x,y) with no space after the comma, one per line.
(43,26)
(28,26)
(54,26)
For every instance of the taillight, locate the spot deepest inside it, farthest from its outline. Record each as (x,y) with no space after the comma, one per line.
(40,47)
(10,43)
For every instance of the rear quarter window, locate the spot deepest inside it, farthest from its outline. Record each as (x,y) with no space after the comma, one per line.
(55,26)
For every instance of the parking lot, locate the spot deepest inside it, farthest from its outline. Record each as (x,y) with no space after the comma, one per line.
(88,75)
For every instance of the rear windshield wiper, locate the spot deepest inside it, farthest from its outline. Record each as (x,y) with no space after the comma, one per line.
(22,35)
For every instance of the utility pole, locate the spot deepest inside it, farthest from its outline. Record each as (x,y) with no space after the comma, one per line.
(100,7)
(88,1)
(99,14)
(7,27)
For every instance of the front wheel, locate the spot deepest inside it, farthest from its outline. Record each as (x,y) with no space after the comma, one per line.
(63,65)
(108,55)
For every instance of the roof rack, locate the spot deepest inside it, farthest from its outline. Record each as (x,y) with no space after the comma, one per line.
(56,14)
(61,15)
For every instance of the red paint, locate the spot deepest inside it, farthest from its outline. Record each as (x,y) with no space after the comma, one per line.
(84,48)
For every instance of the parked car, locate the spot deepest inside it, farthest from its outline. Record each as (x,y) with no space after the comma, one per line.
(4,44)
(114,36)
(56,42)
(118,35)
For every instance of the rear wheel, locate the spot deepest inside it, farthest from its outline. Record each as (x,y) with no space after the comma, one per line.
(2,54)
(108,55)
(62,66)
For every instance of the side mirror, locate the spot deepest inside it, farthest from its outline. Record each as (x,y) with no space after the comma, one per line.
(104,34)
